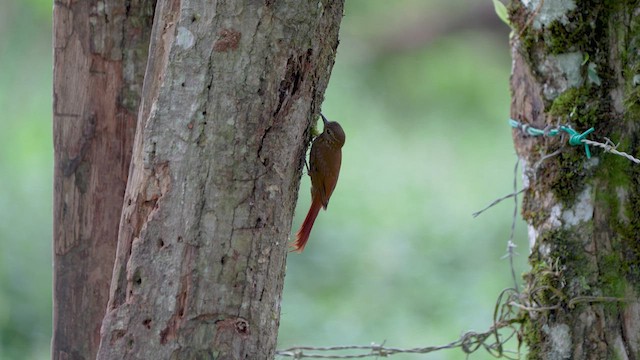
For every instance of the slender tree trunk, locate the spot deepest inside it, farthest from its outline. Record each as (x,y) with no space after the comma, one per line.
(230,91)
(100,53)
(577,63)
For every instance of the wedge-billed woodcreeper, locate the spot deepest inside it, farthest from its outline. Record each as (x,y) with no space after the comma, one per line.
(324,168)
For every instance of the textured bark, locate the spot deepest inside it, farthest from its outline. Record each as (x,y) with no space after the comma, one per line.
(576,63)
(230,91)
(100,53)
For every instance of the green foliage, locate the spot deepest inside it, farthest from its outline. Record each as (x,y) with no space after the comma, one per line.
(592,74)
(25,182)
(501,11)
(397,256)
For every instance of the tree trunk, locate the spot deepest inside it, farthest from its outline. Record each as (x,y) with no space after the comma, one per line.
(100,53)
(230,91)
(577,64)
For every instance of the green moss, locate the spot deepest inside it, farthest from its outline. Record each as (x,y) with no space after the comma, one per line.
(630,69)
(615,169)
(545,278)
(568,101)
(619,174)
(569,251)
(533,337)
(612,280)
(607,198)
(609,271)
(583,31)
(632,91)
(582,105)
(629,230)
(632,102)
(561,39)
(532,334)
(567,175)
(547,283)
(552,285)
(519,17)
(533,217)
(607,6)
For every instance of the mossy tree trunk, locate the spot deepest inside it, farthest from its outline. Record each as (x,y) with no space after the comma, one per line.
(230,91)
(100,55)
(577,63)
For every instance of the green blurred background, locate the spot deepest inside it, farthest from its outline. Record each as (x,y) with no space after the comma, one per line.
(421,89)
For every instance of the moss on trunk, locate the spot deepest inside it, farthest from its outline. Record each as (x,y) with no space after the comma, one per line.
(576,64)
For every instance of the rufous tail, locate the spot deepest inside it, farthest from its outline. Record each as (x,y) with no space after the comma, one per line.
(302,236)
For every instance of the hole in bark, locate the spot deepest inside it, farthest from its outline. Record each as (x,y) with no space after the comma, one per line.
(179,239)
(116,335)
(160,243)
(242,326)
(223,260)
(181,312)
(204,113)
(129,202)
(164,334)
(183,84)
(194,18)
(130,343)
(147,323)
(137,278)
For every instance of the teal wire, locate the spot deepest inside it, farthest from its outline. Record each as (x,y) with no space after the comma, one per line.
(575,138)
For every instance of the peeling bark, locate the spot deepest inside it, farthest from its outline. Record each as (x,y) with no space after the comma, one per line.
(100,52)
(576,63)
(230,91)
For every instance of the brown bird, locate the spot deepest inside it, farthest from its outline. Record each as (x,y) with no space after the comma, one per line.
(324,168)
